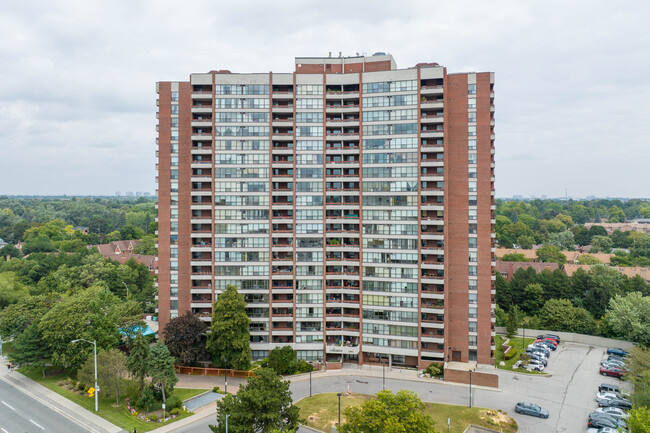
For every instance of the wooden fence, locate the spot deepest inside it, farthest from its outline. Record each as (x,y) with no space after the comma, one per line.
(200,371)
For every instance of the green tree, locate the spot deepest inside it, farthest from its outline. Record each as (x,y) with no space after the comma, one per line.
(514,257)
(389,413)
(503,291)
(30,349)
(9,251)
(262,405)
(525,242)
(533,298)
(147,246)
(161,368)
(11,289)
(230,334)
(564,240)
(638,366)
(551,254)
(512,321)
(91,314)
(111,372)
(629,318)
(587,259)
(561,315)
(283,360)
(185,338)
(40,244)
(601,244)
(616,215)
(638,420)
(138,360)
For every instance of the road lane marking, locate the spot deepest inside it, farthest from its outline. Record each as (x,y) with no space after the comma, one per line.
(4,429)
(7,405)
(36,424)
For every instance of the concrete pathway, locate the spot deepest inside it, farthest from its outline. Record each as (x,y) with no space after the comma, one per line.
(202,400)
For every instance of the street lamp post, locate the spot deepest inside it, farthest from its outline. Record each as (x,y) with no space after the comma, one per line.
(227,415)
(470,389)
(94,343)
(127,290)
(225,378)
(338,426)
(523,336)
(383,374)
(310,368)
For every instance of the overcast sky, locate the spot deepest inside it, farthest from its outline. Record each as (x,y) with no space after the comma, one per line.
(77,80)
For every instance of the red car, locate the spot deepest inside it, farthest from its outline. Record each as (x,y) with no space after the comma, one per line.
(552,340)
(612,371)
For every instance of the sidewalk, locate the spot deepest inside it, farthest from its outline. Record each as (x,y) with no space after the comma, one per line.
(208,382)
(58,403)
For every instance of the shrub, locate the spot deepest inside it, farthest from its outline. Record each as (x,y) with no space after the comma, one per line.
(173,402)
(153,417)
(511,354)
(79,386)
(175,411)
(146,399)
(435,369)
(216,389)
(302,366)
(283,359)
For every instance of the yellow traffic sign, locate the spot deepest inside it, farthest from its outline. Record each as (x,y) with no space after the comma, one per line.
(91,391)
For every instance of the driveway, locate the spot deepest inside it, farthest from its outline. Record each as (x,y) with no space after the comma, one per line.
(568,391)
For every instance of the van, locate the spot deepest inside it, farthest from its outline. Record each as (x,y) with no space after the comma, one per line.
(606,387)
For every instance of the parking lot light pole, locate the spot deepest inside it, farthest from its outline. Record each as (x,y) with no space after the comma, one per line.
(338,426)
(523,336)
(310,369)
(225,376)
(94,343)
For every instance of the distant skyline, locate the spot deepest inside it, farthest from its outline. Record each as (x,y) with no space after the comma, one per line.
(77,87)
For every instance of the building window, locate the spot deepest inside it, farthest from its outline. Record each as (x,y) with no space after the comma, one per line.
(473,257)
(471,200)
(472,340)
(174,122)
(472,327)
(471,103)
(472,355)
(471,89)
(471,116)
(472,313)
(471,131)
(174,108)
(472,271)
(471,144)
(472,284)
(173,305)
(472,242)
(472,214)
(174,96)
(473,300)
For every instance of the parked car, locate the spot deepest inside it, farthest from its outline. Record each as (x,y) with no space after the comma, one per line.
(602,430)
(539,358)
(616,402)
(599,422)
(615,412)
(606,395)
(535,365)
(540,347)
(612,371)
(616,358)
(536,352)
(552,336)
(604,387)
(531,409)
(607,363)
(598,415)
(616,351)
(547,344)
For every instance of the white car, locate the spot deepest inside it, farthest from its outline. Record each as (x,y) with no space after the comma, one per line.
(615,412)
(535,365)
(606,395)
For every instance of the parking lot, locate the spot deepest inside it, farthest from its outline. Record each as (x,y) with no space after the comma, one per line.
(568,391)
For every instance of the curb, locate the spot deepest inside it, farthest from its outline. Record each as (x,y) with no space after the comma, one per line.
(198,416)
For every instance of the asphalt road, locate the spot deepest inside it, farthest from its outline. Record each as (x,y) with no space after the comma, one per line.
(568,391)
(20,413)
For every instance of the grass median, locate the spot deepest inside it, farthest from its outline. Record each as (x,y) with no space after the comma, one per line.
(108,409)
(516,343)
(321,412)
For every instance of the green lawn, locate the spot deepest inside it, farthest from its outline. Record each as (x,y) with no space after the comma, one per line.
(515,342)
(185,393)
(321,412)
(117,415)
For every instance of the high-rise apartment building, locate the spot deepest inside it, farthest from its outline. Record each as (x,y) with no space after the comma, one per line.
(351,202)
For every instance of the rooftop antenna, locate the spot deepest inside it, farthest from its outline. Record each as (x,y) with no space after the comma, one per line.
(340,53)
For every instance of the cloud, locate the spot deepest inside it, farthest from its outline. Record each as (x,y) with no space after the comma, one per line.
(77,98)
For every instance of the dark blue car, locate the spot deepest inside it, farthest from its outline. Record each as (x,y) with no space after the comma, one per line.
(616,351)
(531,409)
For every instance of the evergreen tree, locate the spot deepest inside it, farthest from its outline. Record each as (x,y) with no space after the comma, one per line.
(230,336)
(30,349)
(161,368)
(138,362)
(262,405)
(512,321)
